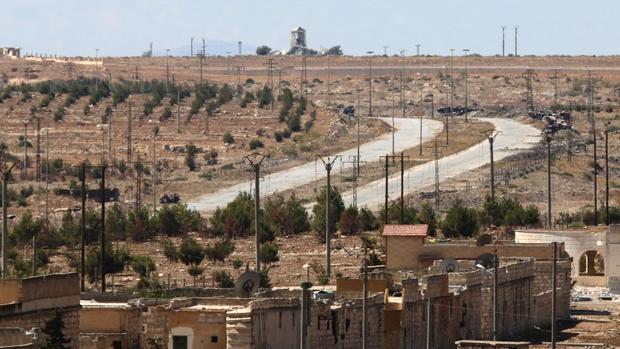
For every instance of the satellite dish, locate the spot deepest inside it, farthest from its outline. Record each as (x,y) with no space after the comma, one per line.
(486,260)
(484,239)
(449,265)
(247,283)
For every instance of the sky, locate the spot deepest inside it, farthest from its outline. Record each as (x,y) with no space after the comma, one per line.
(125,27)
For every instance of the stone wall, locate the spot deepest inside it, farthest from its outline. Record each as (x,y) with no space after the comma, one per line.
(70,316)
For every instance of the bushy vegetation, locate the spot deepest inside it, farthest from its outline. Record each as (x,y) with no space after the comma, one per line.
(286,217)
(268,253)
(190,252)
(318,211)
(220,250)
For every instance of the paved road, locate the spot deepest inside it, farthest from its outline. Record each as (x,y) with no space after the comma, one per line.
(514,137)
(406,136)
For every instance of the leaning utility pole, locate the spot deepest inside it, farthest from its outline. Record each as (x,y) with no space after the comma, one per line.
(5,173)
(329,163)
(255,161)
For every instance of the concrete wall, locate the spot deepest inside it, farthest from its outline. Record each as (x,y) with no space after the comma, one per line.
(207,328)
(576,243)
(410,253)
(612,258)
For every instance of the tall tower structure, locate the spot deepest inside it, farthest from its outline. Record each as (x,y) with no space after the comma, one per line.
(298,37)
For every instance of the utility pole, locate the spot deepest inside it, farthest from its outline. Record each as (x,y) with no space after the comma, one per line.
(503,40)
(329,163)
(47,176)
(495,265)
(178,111)
(25,146)
(255,161)
(607,219)
(358,117)
(202,58)
(5,173)
(553,294)
(429,321)
(516,35)
(452,81)
(110,137)
(304,77)
(129,146)
(191,47)
(365,301)
(466,50)
(491,140)
(593,126)
(329,80)
(103,197)
(167,69)
(402,186)
(548,141)
(447,117)
(369,82)
(420,146)
(38,150)
(83,229)
(529,81)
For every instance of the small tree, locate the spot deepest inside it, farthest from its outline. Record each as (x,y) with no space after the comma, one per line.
(142,265)
(190,156)
(195,271)
(427,216)
(318,212)
(53,330)
(268,253)
(460,221)
(191,252)
(367,219)
(228,138)
(350,222)
(220,250)
(223,279)
(263,50)
(170,251)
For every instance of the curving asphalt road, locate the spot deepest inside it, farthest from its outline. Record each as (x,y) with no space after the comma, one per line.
(514,137)
(406,136)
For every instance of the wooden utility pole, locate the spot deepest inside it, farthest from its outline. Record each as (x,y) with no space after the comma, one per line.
(402,157)
(103,197)
(548,141)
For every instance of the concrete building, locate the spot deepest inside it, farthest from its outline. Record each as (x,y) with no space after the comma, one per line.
(30,303)
(13,52)
(298,38)
(595,252)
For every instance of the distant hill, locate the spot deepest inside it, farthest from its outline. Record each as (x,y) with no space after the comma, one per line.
(214,48)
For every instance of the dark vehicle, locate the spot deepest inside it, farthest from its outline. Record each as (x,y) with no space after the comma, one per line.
(170,198)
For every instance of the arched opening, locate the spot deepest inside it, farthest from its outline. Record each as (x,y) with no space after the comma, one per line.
(591,263)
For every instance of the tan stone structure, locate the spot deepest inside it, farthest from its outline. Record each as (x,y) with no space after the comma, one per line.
(31,302)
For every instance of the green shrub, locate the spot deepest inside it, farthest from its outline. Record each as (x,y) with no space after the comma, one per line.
(228,138)
(318,212)
(367,219)
(142,265)
(278,136)
(350,222)
(195,270)
(255,144)
(237,263)
(223,279)
(460,221)
(170,251)
(114,262)
(286,217)
(220,250)
(190,252)
(268,253)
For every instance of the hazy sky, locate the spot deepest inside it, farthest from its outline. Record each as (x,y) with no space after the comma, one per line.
(125,27)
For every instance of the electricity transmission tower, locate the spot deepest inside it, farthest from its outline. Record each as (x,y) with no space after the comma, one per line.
(529,82)
(436,155)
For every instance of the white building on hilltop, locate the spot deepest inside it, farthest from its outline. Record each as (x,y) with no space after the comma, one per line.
(298,37)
